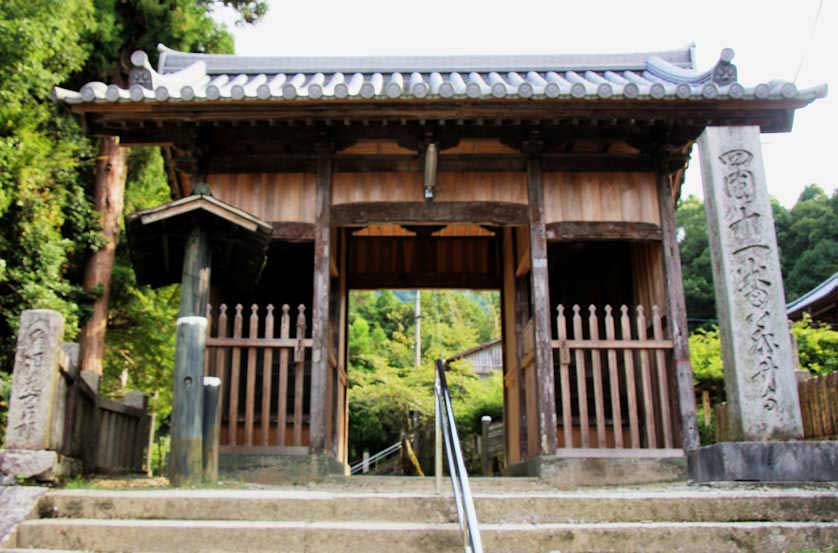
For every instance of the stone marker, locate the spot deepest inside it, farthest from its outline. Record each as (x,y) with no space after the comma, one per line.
(756,351)
(35,380)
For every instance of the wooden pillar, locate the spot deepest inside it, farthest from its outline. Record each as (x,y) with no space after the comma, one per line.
(108,191)
(190,346)
(195,282)
(512,373)
(546,400)
(343,410)
(186,459)
(320,305)
(211,428)
(676,313)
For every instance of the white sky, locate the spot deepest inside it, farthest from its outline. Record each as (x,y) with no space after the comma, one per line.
(770,38)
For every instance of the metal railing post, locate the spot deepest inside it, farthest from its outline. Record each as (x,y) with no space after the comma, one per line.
(437,437)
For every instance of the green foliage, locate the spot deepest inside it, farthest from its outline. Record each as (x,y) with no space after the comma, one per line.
(47,226)
(808,239)
(706,356)
(695,259)
(5,395)
(387,393)
(807,236)
(817,346)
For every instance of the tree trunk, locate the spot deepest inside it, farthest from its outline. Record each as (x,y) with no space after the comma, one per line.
(109,190)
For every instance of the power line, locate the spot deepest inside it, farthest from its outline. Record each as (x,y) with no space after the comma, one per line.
(805,53)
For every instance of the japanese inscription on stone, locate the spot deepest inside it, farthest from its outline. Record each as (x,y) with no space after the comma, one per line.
(34,380)
(759,376)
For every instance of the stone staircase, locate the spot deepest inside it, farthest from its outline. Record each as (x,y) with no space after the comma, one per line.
(395,515)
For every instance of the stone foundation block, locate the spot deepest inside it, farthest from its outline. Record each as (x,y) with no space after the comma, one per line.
(572,471)
(273,469)
(792,461)
(40,465)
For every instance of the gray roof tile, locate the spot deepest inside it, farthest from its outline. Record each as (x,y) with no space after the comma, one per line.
(214,77)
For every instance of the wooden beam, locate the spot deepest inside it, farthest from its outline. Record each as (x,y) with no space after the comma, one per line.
(571,231)
(473,281)
(293,232)
(676,311)
(320,305)
(488,213)
(546,400)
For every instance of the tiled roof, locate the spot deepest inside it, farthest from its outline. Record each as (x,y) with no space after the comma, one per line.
(214,77)
(822,291)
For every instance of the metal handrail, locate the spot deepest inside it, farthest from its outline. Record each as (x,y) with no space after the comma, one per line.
(445,425)
(386,452)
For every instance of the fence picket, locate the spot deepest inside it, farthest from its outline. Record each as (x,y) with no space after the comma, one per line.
(663,380)
(209,333)
(564,374)
(299,375)
(593,330)
(235,365)
(267,376)
(282,391)
(581,384)
(631,384)
(614,376)
(250,390)
(646,381)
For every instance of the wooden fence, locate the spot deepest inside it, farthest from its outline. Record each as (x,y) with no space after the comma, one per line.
(108,436)
(818,407)
(630,376)
(263,377)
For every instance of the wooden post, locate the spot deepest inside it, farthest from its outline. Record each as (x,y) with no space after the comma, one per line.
(676,314)
(186,465)
(108,191)
(211,428)
(195,282)
(485,421)
(546,400)
(320,306)
(512,407)
(190,347)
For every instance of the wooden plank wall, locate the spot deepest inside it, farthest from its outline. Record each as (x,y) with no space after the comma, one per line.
(611,196)
(451,187)
(568,196)
(647,273)
(287,197)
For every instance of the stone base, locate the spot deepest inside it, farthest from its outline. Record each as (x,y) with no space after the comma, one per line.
(793,461)
(572,469)
(39,465)
(272,469)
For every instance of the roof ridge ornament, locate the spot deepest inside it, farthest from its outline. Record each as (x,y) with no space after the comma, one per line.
(723,73)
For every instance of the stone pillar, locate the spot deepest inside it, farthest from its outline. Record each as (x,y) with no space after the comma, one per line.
(758,363)
(33,435)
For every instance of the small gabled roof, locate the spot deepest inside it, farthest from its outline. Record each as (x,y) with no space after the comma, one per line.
(156,239)
(188,77)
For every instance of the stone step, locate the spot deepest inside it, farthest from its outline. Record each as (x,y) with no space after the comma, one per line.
(187,536)
(698,505)
(373,483)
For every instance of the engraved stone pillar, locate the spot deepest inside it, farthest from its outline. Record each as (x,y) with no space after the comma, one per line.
(759,368)
(35,424)
(35,380)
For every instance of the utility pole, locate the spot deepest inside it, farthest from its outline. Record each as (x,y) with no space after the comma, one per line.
(417,317)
